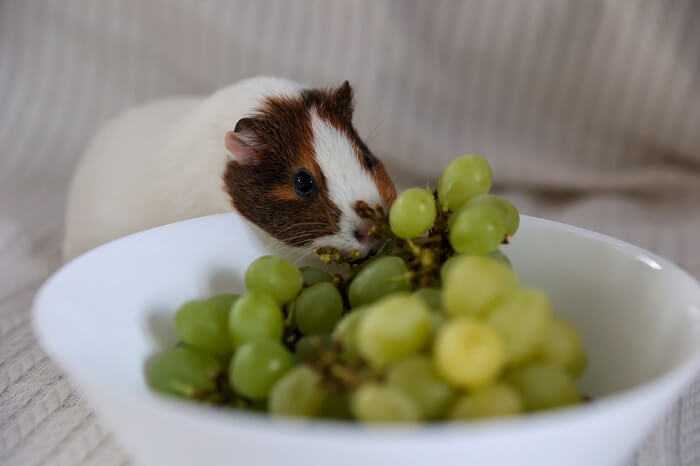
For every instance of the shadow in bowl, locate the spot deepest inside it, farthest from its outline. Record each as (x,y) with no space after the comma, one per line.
(162,328)
(225,280)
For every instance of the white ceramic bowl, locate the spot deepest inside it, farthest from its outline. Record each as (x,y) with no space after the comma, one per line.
(101,316)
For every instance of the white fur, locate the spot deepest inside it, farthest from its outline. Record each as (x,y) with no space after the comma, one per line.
(159,163)
(162,162)
(347,183)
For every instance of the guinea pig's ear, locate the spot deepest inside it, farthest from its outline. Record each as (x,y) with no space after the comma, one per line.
(243,141)
(344,100)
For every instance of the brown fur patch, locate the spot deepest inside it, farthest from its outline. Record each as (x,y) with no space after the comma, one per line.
(263,191)
(385,185)
(285,193)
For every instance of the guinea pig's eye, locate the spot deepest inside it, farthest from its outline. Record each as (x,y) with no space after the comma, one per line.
(304,184)
(369,160)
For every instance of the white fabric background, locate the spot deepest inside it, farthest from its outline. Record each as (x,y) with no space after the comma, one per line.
(589,112)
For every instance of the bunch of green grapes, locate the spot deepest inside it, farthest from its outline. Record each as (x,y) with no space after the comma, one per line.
(435,327)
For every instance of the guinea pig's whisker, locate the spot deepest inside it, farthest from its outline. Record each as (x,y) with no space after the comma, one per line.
(300,240)
(374,132)
(304,235)
(303,224)
(306,254)
(295,241)
(309,233)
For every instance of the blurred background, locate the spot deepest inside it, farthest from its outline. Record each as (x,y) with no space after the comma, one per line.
(589,112)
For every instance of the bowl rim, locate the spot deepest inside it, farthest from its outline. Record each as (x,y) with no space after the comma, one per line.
(675,378)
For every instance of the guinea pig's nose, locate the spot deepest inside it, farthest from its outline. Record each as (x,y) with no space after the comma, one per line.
(359,236)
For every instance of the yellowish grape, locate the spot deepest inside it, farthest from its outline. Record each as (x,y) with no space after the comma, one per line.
(412,213)
(521,320)
(464,178)
(494,401)
(477,229)
(475,283)
(432,297)
(373,403)
(417,378)
(543,386)
(297,393)
(511,215)
(562,347)
(468,354)
(392,329)
(345,332)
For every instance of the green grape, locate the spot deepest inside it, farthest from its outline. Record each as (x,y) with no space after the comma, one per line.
(274,276)
(510,213)
(465,177)
(579,365)
(562,347)
(499,256)
(467,353)
(543,386)
(477,229)
(225,299)
(297,393)
(336,406)
(373,403)
(310,348)
(475,283)
(345,332)
(312,275)
(495,254)
(184,372)
(432,297)
(412,213)
(521,320)
(377,279)
(318,309)
(437,319)
(204,325)
(417,378)
(255,315)
(392,329)
(495,401)
(256,366)
(447,266)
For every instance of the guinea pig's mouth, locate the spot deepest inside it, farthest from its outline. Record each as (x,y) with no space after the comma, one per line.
(369,246)
(348,247)
(356,238)
(366,243)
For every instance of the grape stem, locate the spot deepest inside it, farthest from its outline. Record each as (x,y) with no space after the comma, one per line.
(422,255)
(340,372)
(428,240)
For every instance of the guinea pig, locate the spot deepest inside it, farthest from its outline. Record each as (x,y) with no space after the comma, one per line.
(285,157)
